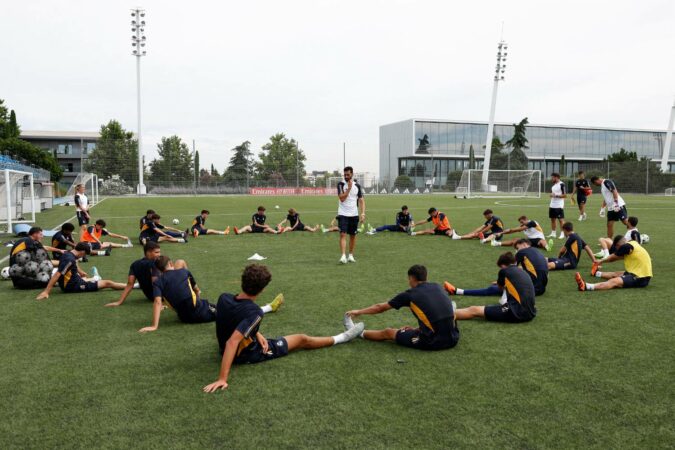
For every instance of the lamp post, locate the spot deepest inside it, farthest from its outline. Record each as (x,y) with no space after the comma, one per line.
(665,155)
(138,46)
(499,76)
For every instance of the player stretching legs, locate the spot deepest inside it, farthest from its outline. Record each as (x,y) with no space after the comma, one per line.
(532,230)
(199,226)
(350,196)
(517,301)
(432,308)
(442,226)
(637,262)
(295,224)
(238,321)
(491,230)
(257,224)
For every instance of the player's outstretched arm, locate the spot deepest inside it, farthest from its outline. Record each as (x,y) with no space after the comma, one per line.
(118,236)
(125,293)
(589,251)
(377,308)
(156,312)
(54,249)
(226,364)
(52,281)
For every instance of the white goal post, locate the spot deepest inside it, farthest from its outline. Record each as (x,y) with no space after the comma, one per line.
(90,181)
(500,183)
(670,192)
(17,198)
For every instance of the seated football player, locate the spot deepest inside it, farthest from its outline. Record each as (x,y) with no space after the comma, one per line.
(142,272)
(93,234)
(199,226)
(632,234)
(491,230)
(404,220)
(570,253)
(146,218)
(153,231)
(332,227)
(442,226)
(431,307)
(293,219)
(63,239)
(72,279)
(258,225)
(517,301)
(637,262)
(532,231)
(32,245)
(238,320)
(534,263)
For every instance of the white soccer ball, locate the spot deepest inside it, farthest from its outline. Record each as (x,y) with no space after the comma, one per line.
(645,238)
(176,221)
(5,273)
(276,206)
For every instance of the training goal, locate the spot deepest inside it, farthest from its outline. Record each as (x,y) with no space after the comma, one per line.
(90,182)
(499,183)
(17,198)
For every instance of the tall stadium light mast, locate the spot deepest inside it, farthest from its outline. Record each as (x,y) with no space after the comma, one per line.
(665,155)
(499,76)
(138,50)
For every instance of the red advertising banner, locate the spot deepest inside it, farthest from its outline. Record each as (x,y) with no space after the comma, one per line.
(292,191)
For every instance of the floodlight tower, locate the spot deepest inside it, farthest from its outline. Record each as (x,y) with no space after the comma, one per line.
(665,154)
(499,76)
(138,46)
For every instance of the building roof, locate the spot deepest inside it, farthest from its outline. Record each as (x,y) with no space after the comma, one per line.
(478,122)
(40,134)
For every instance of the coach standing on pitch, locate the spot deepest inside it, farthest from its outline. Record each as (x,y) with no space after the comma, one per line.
(351,199)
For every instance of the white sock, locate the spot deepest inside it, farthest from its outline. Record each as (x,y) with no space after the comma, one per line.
(459,292)
(339,339)
(220,232)
(496,243)
(351,256)
(266,309)
(181,240)
(590,287)
(598,274)
(101,253)
(413,233)
(344,256)
(605,252)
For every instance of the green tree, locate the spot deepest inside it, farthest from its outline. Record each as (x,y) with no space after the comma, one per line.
(13,130)
(472,158)
(403,182)
(196,171)
(623,156)
(116,153)
(517,159)
(563,167)
(497,157)
(214,171)
(174,163)
(241,165)
(4,119)
(279,160)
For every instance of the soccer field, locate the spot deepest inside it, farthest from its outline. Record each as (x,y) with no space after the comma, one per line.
(594,369)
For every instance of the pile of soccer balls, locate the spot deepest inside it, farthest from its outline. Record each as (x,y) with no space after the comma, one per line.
(35,266)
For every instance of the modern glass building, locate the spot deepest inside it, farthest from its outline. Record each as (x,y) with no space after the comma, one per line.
(427,150)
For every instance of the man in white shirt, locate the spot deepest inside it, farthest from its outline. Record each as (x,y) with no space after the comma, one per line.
(350,195)
(81,208)
(613,202)
(556,209)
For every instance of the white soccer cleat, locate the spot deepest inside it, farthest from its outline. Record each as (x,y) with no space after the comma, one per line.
(495,243)
(350,258)
(343,260)
(562,236)
(584,216)
(581,218)
(456,236)
(354,332)
(137,285)
(347,322)
(483,241)
(371,232)
(552,234)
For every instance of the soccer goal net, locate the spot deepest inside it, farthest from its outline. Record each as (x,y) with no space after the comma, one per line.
(499,183)
(90,182)
(670,192)
(17,198)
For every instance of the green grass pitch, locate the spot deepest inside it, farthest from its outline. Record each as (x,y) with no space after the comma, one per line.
(593,370)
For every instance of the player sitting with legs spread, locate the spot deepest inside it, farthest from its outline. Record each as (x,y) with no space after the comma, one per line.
(258,225)
(632,234)
(153,231)
(199,226)
(177,287)
(72,279)
(25,251)
(442,226)
(293,218)
(517,301)
(142,273)
(431,307)
(583,190)
(528,258)
(93,235)
(404,220)
(146,218)
(63,239)
(570,253)
(238,321)
(638,265)
(491,230)
(533,232)
(332,227)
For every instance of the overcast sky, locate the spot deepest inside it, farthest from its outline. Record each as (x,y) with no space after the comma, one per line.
(327,72)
